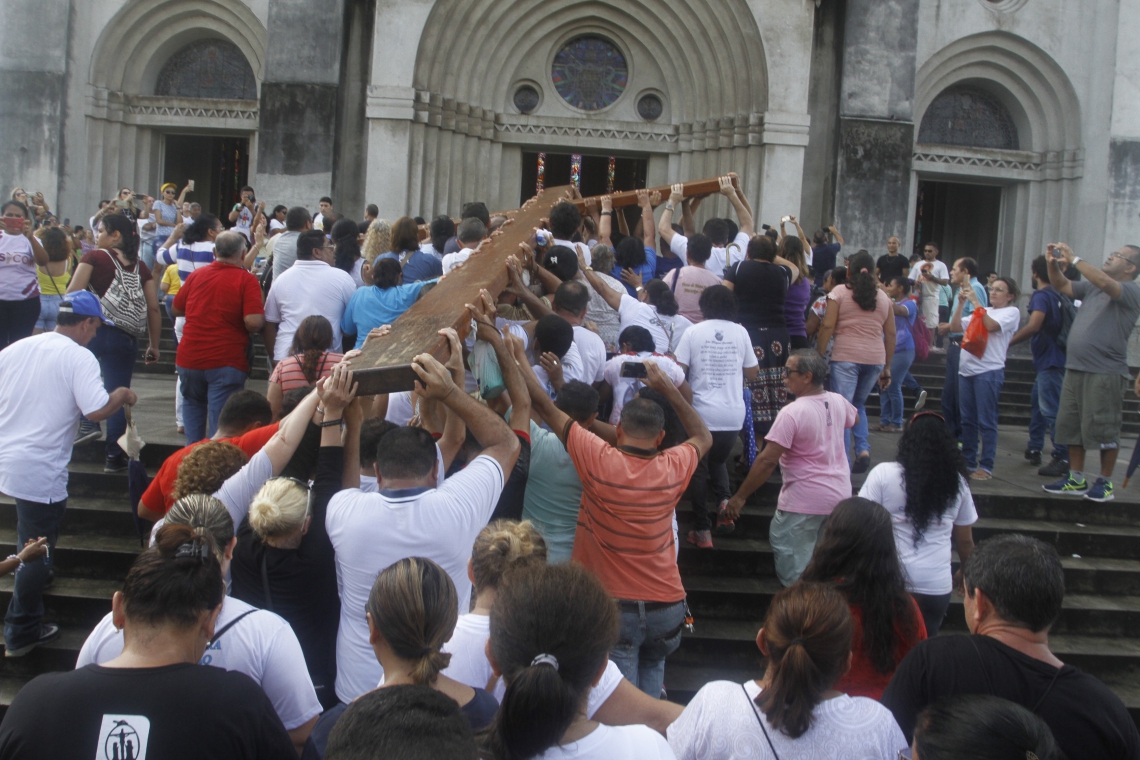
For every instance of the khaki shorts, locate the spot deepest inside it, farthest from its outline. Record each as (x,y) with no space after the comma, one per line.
(1091,410)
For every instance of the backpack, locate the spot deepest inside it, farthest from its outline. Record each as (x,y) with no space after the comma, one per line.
(124,302)
(1068,313)
(922,338)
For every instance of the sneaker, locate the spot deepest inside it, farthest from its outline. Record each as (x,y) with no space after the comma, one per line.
(702,539)
(1101,490)
(115,463)
(1034,456)
(1066,486)
(88,431)
(48,631)
(920,402)
(1055,469)
(724,523)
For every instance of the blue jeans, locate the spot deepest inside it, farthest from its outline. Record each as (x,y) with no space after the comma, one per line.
(26,610)
(892,398)
(116,352)
(49,310)
(204,393)
(909,382)
(950,388)
(1043,401)
(647,638)
(978,403)
(854,382)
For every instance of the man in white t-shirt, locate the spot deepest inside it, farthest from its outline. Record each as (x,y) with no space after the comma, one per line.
(570,302)
(325,206)
(470,235)
(980,378)
(716,355)
(311,286)
(411,517)
(247,213)
(724,252)
(46,382)
(932,274)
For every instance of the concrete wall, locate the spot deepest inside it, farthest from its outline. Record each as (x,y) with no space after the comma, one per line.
(33,76)
(298,119)
(817,205)
(876,132)
(1122,224)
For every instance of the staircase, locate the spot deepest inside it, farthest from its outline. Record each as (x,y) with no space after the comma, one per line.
(168,350)
(729,587)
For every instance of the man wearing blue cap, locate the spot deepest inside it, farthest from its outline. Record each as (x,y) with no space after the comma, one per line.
(46,382)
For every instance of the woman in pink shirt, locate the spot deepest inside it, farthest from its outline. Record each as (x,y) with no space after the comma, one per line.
(859,316)
(688,282)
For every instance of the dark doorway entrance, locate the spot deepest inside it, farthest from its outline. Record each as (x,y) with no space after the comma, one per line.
(962,219)
(629,173)
(219,167)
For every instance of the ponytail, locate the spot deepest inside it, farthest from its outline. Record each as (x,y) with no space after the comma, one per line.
(128,231)
(552,627)
(414,606)
(662,298)
(808,633)
(176,580)
(861,281)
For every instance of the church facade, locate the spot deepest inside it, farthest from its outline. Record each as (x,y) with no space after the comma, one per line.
(989,126)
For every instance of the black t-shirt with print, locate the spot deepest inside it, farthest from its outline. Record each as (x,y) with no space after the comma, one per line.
(175,712)
(1087,719)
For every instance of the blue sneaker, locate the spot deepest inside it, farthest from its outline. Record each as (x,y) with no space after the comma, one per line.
(1069,487)
(1100,491)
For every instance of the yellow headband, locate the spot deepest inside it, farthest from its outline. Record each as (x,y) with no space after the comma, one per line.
(171,185)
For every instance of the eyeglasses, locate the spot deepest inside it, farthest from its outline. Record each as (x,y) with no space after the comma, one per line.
(788,371)
(997,290)
(1125,259)
(124,192)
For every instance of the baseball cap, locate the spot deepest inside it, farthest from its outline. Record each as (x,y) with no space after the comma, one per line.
(85,304)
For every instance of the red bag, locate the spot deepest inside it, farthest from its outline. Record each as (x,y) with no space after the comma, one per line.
(977,336)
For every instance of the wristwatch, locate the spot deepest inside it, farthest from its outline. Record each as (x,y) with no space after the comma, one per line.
(669,205)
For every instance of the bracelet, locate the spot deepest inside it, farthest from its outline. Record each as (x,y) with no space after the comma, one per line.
(640,288)
(330,423)
(1075,260)
(320,411)
(17,558)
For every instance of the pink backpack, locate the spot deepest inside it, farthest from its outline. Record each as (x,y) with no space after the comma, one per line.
(922,338)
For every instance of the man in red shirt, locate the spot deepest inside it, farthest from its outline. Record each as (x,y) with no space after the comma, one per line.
(625,526)
(222,305)
(244,422)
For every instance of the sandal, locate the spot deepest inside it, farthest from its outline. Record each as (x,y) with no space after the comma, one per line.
(981,475)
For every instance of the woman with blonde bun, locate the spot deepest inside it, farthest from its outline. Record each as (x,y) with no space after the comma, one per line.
(284,561)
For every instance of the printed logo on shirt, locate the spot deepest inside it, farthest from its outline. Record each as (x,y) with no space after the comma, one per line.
(207,658)
(719,336)
(123,737)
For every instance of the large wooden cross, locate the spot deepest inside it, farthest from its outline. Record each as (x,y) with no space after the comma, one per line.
(384,366)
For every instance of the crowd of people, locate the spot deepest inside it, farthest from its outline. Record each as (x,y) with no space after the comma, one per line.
(487,565)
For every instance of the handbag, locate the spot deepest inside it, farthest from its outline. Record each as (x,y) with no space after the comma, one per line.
(977,336)
(124,302)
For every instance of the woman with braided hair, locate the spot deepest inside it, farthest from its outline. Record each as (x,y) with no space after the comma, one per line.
(150,699)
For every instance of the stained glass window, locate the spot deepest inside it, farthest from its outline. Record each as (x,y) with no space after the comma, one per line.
(526,99)
(970,116)
(208,69)
(589,73)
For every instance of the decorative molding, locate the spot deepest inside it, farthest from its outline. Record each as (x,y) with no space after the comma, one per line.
(977,161)
(598,133)
(249,112)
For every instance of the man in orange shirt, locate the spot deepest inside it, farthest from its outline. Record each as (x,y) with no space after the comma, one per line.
(625,526)
(244,422)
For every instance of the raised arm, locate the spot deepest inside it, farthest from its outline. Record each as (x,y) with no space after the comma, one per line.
(606,221)
(665,226)
(535,305)
(648,229)
(554,417)
(699,436)
(499,441)
(486,331)
(730,191)
(827,329)
(835,233)
(610,296)
(454,431)
(284,443)
(1096,277)
(1057,278)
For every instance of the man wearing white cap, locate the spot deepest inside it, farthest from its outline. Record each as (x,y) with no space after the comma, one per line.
(46,382)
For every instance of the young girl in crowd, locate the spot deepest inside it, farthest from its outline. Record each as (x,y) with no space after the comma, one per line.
(310,358)
(856,552)
(795,710)
(552,627)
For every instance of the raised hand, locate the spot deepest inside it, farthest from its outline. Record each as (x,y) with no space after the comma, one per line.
(656,378)
(454,361)
(337,390)
(376,332)
(553,367)
(434,380)
(676,193)
(726,188)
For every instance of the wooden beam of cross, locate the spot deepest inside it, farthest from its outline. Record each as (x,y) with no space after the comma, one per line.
(384,365)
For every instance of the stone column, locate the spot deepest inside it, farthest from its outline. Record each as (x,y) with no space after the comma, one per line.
(33,70)
(783,140)
(876,121)
(298,113)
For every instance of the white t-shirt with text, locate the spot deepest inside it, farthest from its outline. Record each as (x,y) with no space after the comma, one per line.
(46,382)
(626,388)
(369,532)
(723,723)
(717,352)
(927,565)
(262,645)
